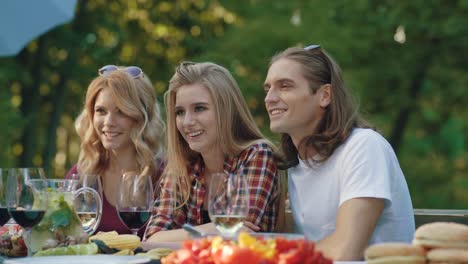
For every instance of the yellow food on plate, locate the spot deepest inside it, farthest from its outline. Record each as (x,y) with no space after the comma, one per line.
(125,252)
(120,242)
(247,249)
(157,253)
(101,235)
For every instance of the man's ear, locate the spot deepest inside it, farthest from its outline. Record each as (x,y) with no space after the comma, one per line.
(325,95)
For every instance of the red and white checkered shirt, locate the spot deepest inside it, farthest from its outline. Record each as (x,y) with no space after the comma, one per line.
(256,163)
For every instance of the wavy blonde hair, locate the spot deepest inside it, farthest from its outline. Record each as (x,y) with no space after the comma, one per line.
(136,98)
(235,125)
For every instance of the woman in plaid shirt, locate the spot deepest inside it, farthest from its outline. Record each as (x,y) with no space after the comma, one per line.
(210,130)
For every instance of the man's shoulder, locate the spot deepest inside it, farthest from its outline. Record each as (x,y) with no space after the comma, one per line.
(364,134)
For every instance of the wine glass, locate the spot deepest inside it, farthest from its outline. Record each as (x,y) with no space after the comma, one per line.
(228,202)
(88,208)
(26,200)
(135,200)
(30,173)
(4,215)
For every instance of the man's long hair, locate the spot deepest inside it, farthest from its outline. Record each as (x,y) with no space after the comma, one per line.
(340,116)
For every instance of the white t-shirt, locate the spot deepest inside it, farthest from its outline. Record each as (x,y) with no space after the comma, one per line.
(365,165)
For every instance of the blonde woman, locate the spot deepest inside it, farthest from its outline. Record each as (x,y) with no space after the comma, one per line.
(120,130)
(210,130)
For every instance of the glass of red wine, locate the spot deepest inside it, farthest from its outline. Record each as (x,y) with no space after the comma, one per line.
(135,200)
(26,198)
(4,215)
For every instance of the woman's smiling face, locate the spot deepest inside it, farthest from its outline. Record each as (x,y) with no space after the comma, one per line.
(112,126)
(196,117)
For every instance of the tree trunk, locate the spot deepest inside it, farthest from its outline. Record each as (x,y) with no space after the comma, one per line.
(30,108)
(401,121)
(60,92)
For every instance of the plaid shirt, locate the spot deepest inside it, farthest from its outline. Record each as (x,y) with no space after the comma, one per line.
(256,163)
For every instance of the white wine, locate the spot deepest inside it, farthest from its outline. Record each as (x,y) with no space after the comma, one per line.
(88,220)
(228,224)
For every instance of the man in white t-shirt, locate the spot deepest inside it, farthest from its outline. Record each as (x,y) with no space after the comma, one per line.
(347,190)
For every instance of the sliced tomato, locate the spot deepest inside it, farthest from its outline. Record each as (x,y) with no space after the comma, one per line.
(185,256)
(187,244)
(216,255)
(205,257)
(231,254)
(206,251)
(198,245)
(284,245)
(293,256)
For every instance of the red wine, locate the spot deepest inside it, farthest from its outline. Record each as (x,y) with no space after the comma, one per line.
(27,218)
(134,219)
(4,216)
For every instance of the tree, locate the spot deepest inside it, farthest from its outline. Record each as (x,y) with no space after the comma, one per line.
(56,68)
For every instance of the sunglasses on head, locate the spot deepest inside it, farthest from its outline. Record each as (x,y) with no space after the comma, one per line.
(133,71)
(312,47)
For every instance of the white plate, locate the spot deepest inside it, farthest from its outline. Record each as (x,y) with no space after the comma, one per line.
(87,259)
(150,245)
(289,236)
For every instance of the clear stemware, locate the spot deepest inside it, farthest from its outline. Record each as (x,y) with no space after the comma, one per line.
(228,203)
(135,200)
(26,198)
(88,208)
(4,215)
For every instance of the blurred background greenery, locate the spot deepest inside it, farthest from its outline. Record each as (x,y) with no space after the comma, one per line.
(406,61)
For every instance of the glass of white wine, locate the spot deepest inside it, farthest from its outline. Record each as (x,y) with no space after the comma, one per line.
(87,205)
(228,202)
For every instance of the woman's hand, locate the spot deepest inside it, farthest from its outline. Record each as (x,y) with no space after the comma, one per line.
(249,227)
(210,228)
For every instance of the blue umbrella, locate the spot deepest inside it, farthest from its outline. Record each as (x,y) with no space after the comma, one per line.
(24,20)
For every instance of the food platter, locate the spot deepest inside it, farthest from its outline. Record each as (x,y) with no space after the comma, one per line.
(103,259)
(177,245)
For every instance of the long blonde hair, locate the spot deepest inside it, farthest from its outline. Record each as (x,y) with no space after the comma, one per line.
(235,125)
(136,98)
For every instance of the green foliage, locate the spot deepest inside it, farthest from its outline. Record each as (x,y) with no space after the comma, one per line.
(11,123)
(63,218)
(52,74)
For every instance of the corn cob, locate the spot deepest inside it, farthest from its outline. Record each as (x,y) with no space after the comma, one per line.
(125,252)
(100,235)
(157,253)
(119,242)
